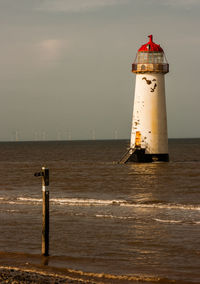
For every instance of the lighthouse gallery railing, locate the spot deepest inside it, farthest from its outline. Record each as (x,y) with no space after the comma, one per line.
(155,68)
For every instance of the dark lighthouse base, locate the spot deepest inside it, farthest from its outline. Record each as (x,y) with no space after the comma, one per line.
(139,156)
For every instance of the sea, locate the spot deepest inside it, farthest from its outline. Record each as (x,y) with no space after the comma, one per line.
(133,222)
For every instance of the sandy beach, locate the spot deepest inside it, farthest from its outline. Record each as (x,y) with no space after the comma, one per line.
(52,275)
(13,275)
(20,268)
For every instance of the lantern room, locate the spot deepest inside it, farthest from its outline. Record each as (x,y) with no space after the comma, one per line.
(150,58)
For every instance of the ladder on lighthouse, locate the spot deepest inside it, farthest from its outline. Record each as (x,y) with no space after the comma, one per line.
(126,156)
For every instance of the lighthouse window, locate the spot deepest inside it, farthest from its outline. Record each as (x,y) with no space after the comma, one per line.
(150,59)
(143,58)
(158,57)
(139,58)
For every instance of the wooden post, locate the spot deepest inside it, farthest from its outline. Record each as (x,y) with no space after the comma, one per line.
(45,223)
(45,212)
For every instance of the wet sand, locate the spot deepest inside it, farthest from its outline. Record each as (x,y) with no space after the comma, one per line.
(52,275)
(31,273)
(20,268)
(13,275)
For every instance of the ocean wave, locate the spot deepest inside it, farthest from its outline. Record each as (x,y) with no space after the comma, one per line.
(155,204)
(175,206)
(86,202)
(113,216)
(127,278)
(29,199)
(9,211)
(168,221)
(178,221)
(126,203)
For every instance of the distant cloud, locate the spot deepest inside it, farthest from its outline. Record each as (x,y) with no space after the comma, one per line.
(77,5)
(50,50)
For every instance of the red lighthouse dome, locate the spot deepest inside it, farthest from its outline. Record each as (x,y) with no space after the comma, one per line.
(150,58)
(150,46)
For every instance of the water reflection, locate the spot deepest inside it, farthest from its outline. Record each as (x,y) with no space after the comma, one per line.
(147,168)
(148,182)
(45,260)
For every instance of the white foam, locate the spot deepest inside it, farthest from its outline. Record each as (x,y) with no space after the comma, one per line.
(102,202)
(113,217)
(29,199)
(178,221)
(164,206)
(86,202)
(168,221)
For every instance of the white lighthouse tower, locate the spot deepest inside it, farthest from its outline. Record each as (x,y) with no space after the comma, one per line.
(149,140)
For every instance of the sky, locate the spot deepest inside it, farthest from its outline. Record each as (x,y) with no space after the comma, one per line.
(65,66)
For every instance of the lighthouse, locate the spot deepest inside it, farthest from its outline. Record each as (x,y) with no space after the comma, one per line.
(149,139)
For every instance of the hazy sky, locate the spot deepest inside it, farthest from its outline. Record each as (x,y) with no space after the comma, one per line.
(65,66)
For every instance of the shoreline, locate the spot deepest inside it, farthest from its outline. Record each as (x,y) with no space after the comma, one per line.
(22,268)
(52,275)
(15,275)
